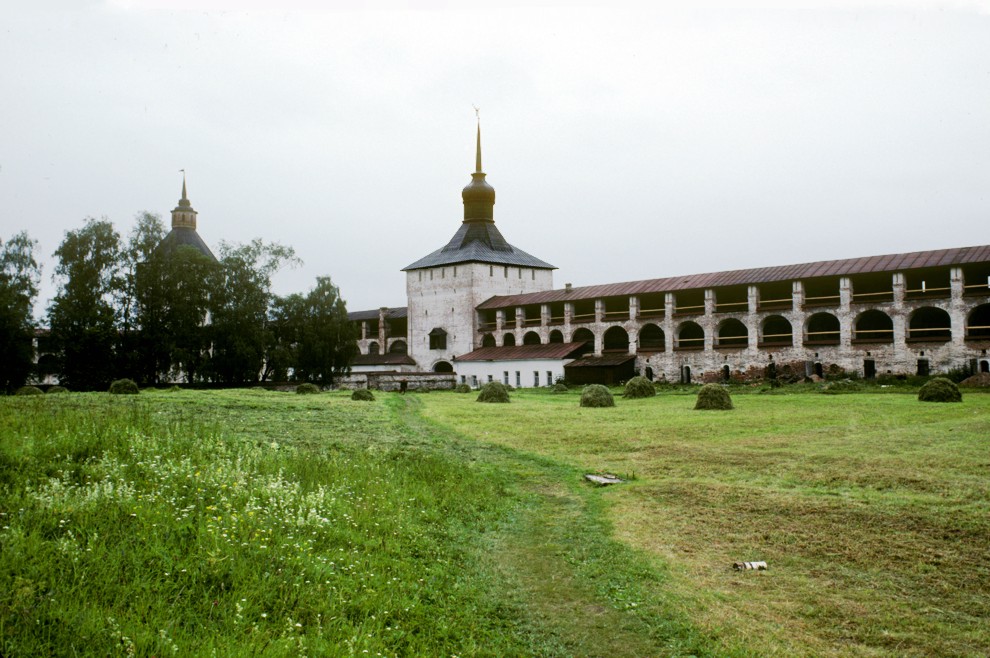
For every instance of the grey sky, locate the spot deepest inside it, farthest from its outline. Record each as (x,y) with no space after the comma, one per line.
(623,143)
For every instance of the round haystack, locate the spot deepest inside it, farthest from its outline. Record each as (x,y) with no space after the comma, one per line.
(493,392)
(307,389)
(363,395)
(713,397)
(596,395)
(124,387)
(940,389)
(639,387)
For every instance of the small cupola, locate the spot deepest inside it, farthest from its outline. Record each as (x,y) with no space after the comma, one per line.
(183,215)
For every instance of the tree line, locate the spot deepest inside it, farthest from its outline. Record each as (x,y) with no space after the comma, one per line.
(131,308)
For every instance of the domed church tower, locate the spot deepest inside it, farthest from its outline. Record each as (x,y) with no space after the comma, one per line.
(184,228)
(444,287)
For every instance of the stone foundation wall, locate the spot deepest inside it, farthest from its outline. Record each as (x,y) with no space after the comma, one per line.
(392,381)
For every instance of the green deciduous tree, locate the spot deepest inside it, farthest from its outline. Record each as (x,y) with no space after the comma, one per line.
(19,277)
(173,296)
(240,296)
(327,341)
(285,330)
(83,315)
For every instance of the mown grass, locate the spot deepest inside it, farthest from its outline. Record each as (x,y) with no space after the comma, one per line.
(873,510)
(242,523)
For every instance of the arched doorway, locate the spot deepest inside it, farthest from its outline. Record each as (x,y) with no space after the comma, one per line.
(531,338)
(929,325)
(777,332)
(978,323)
(822,329)
(442,366)
(488,340)
(690,336)
(556,336)
(398,347)
(652,339)
(873,326)
(373,348)
(616,339)
(732,334)
(509,340)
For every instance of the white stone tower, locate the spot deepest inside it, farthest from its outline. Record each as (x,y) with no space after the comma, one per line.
(444,288)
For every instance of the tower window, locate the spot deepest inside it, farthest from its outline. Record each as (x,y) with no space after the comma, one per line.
(533,272)
(438,339)
(520,272)
(431,275)
(421,275)
(443,272)
(491,270)
(455,271)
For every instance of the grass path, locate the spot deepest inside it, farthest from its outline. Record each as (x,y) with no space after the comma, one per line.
(587,593)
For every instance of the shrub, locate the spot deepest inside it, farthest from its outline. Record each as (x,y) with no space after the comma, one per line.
(57,389)
(596,395)
(713,396)
(940,389)
(307,389)
(463,388)
(493,392)
(363,394)
(639,387)
(841,386)
(124,387)
(559,387)
(174,388)
(28,390)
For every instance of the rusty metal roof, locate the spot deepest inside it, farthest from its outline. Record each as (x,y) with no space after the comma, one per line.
(845,267)
(391,314)
(604,361)
(383,360)
(523,352)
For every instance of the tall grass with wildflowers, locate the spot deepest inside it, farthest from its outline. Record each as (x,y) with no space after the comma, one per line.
(138,526)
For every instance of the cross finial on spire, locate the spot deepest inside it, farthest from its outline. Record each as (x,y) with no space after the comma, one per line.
(183,183)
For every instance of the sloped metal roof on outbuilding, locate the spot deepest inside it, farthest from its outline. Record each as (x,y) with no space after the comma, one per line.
(845,267)
(383,360)
(524,352)
(392,314)
(604,361)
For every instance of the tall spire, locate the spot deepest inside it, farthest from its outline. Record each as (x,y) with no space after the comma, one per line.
(478,196)
(477,165)
(183,215)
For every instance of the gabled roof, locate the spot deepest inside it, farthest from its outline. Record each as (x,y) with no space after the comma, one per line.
(524,352)
(479,242)
(845,267)
(188,237)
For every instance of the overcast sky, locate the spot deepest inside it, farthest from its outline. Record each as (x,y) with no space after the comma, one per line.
(623,143)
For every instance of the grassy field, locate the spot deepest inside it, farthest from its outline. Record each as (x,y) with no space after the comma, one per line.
(872,510)
(250,522)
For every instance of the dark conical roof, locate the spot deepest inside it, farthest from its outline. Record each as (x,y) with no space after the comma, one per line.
(183,231)
(478,239)
(183,237)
